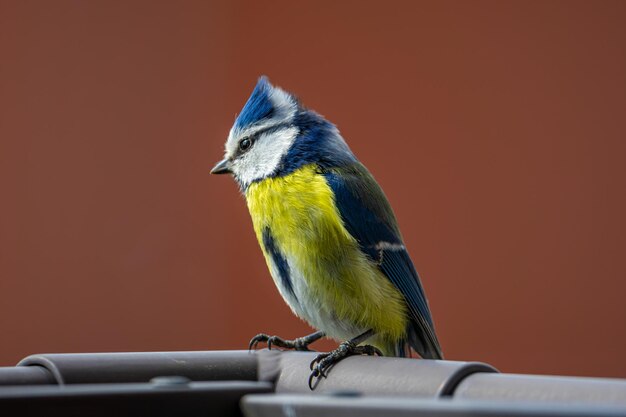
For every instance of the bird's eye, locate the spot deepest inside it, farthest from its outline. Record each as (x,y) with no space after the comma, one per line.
(245,144)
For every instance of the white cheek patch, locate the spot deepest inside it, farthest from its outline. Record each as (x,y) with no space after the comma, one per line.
(264,156)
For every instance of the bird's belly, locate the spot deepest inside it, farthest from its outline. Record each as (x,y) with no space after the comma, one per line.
(315,308)
(316,264)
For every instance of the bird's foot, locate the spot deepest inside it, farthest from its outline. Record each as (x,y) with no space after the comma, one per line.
(324,361)
(300,343)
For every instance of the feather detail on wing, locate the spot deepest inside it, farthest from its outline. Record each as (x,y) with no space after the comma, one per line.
(368,217)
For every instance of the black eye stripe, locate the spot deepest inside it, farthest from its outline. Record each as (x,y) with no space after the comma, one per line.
(274,128)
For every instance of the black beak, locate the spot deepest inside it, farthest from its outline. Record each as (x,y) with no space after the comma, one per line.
(222,167)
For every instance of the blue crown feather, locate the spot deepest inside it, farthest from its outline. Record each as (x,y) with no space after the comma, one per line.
(258,107)
(318,140)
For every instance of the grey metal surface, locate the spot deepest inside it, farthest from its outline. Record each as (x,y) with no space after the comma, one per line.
(25,375)
(367,375)
(540,388)
(86,368)
(292,405)
(129,399)
(360,385)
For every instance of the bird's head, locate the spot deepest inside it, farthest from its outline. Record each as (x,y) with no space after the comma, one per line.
(275,135)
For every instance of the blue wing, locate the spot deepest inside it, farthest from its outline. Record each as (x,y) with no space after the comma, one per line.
(368,217)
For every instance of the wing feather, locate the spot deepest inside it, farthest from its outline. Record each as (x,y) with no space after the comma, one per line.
(368,217)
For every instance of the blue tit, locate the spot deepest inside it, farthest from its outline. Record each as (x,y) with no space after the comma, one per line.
(329,236)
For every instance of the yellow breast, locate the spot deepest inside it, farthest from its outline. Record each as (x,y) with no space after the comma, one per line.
(300,211)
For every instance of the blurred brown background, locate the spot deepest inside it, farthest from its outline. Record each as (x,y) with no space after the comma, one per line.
(497,129)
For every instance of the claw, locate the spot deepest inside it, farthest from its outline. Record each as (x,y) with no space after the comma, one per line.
(371,350)
(300,343)
(318,358)
(313,375)
(275,340)
(324,361)
(254,342)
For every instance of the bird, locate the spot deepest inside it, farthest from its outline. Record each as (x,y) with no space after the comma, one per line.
(328,233)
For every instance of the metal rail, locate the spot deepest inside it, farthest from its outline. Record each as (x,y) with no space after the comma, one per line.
(273,383)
